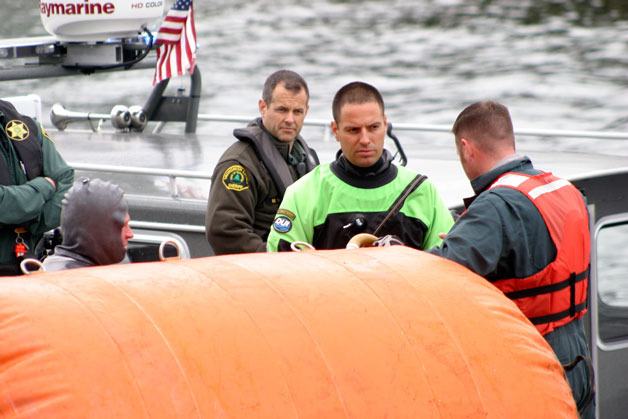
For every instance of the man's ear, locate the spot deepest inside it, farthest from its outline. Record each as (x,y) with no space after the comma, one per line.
(334,129)
(261,104)
(467,148)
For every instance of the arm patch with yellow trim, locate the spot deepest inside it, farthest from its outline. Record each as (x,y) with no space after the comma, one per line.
(45,133)
(235,178)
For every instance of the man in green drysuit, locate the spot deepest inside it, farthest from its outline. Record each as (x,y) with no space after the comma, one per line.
(355,193)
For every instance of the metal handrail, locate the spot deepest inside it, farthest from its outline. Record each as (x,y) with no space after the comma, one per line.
(170,173)
(150,225)
(325,125)
(603,135)
(141,170)
(312,122)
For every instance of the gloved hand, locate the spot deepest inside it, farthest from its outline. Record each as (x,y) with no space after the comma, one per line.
(388,240)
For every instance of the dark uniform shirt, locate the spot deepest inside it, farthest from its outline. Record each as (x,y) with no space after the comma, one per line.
(243,198)
(502,235)
(32,204)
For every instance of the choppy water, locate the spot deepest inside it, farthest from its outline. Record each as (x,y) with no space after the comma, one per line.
(555,64)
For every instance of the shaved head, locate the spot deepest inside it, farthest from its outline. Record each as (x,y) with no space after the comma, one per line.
(356,92)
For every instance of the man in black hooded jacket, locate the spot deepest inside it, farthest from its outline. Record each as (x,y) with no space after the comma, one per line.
(252,175)
(94,225)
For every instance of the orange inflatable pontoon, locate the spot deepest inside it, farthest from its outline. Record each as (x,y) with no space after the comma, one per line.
(369,333)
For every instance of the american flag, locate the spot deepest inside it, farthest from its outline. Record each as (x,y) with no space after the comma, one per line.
(176,42)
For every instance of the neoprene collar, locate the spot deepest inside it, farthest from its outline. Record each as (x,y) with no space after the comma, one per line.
(379,174)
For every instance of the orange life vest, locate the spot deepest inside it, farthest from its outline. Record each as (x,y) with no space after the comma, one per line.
(557,294)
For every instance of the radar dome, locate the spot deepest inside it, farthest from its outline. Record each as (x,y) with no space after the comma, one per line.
(97,20)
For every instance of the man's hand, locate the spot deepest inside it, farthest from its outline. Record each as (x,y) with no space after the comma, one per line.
(388,240)
(442,236)
(52,182)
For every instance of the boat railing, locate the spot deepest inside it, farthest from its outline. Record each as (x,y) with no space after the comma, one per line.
(322,123)
(60,117)
(171,174)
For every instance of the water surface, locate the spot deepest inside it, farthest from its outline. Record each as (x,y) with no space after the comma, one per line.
(556,64)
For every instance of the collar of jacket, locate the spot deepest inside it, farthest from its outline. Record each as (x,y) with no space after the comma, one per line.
(482,182)
(3,135)
(281,146)
(79,259)
(379,174)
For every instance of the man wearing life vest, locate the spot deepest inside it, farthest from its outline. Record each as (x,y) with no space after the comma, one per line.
(527,232)
(33,180)
(252,175)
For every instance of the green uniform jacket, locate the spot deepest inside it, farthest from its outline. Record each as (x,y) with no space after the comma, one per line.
(326,211)
(243,198)
(33,204)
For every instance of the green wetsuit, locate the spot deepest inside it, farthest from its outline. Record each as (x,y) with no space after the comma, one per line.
(336,201)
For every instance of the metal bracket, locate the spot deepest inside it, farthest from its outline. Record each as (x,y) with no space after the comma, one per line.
(175,108)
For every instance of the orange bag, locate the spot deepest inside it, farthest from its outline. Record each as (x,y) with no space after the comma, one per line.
(369,333)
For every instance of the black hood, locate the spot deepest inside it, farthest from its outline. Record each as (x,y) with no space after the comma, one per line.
(92,217)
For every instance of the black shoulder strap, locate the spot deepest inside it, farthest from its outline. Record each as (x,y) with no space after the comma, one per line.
(311,158)
(396,206)
(270,156)
(22,134)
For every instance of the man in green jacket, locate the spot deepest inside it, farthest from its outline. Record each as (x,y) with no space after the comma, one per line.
(358,191)
(252,175)
(33,181)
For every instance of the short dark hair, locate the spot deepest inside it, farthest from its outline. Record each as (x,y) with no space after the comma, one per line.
(486,122)
(292,81)
(355,92)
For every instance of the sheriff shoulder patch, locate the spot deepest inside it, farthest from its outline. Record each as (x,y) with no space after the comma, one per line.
(287,213)
(282,224)
(16,130)
(44,132)
(235,178)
